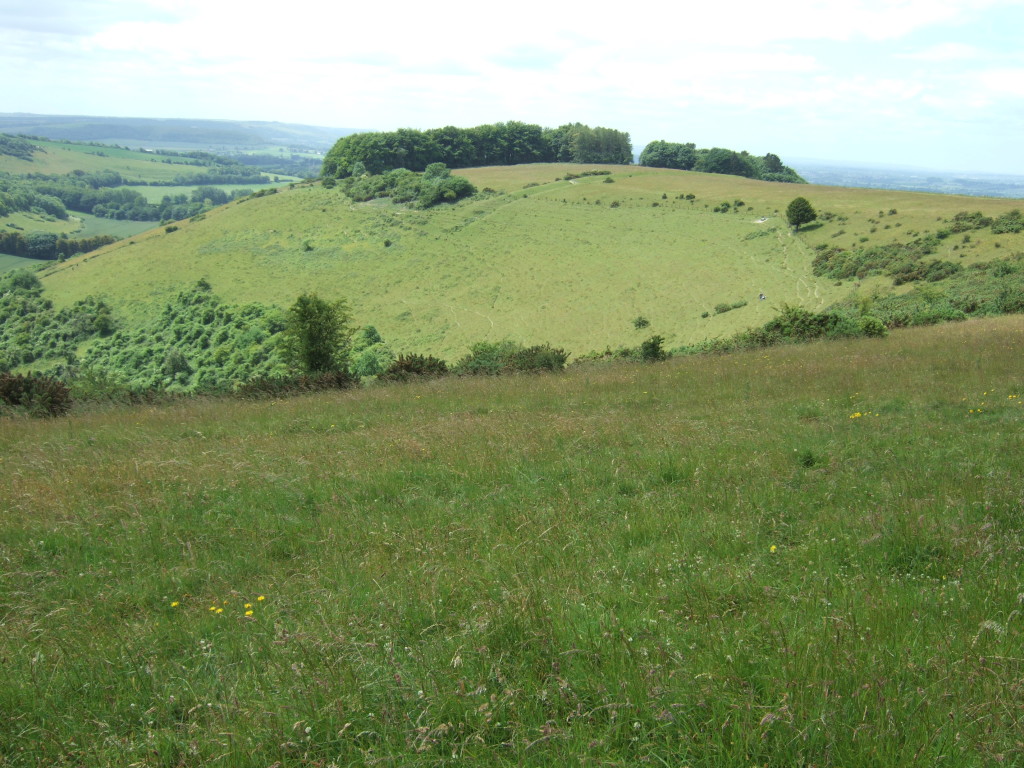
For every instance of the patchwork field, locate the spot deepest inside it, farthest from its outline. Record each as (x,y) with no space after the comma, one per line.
(809,555)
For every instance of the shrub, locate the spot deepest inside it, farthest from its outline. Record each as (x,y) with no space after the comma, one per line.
(494,358)
(652,350)
(535,359)
(372,360)
(1011,222)
(486,358)
(39,395)
(408,367)
(278,386)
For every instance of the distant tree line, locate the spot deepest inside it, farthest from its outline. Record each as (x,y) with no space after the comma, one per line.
(303,166)
(687,157)
(48,245)
(510,143)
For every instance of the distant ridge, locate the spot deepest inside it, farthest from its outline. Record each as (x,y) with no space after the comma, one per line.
(848,174)
(172,133)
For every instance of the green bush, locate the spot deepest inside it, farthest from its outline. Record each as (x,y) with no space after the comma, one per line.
(653,350)
(486,358)
(1011,222)
(495,358)
(536,359)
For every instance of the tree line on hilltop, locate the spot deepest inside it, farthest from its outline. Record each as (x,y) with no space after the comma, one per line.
(511,143)
(687,157)
(516,143)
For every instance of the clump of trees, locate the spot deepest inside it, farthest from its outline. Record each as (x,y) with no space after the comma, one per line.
(435,185)
(511,143)
(687,157)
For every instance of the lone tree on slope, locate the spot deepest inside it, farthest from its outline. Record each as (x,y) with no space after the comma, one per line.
(800,212)
(316,335)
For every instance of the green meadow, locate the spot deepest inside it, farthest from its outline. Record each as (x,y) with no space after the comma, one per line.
(807,555)
(16,262)
(76,225)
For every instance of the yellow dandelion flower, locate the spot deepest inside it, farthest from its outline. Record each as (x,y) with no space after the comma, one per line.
(248,605)
(248,613)
(220,610)
(260,599)
(175,604)
(772,549)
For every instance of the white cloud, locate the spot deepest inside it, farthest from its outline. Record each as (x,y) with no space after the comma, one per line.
(740,71)
(943,52)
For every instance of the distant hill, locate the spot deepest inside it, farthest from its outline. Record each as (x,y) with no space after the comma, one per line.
(542,255)
(173,133)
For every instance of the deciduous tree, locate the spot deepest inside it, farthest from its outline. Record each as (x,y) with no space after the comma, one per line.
(800,212)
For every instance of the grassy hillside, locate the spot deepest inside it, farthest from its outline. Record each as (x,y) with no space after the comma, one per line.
(571,262)
(804,556)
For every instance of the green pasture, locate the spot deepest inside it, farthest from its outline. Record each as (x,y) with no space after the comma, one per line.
(804,556)
(24,222)
(569,262)
(8,262)
(90,225)
(59,158)
(76,225)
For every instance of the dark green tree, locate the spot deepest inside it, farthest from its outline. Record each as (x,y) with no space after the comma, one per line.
(800,212)
(316,334)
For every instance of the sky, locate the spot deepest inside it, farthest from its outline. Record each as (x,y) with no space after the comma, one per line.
(925,83)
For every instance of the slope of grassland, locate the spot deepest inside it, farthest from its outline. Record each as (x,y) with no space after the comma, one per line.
(570,262)
(803,556)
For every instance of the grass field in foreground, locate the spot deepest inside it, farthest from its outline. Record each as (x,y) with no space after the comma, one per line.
(802,556)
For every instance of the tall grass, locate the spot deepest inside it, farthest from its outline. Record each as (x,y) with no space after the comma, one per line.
(801,556)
